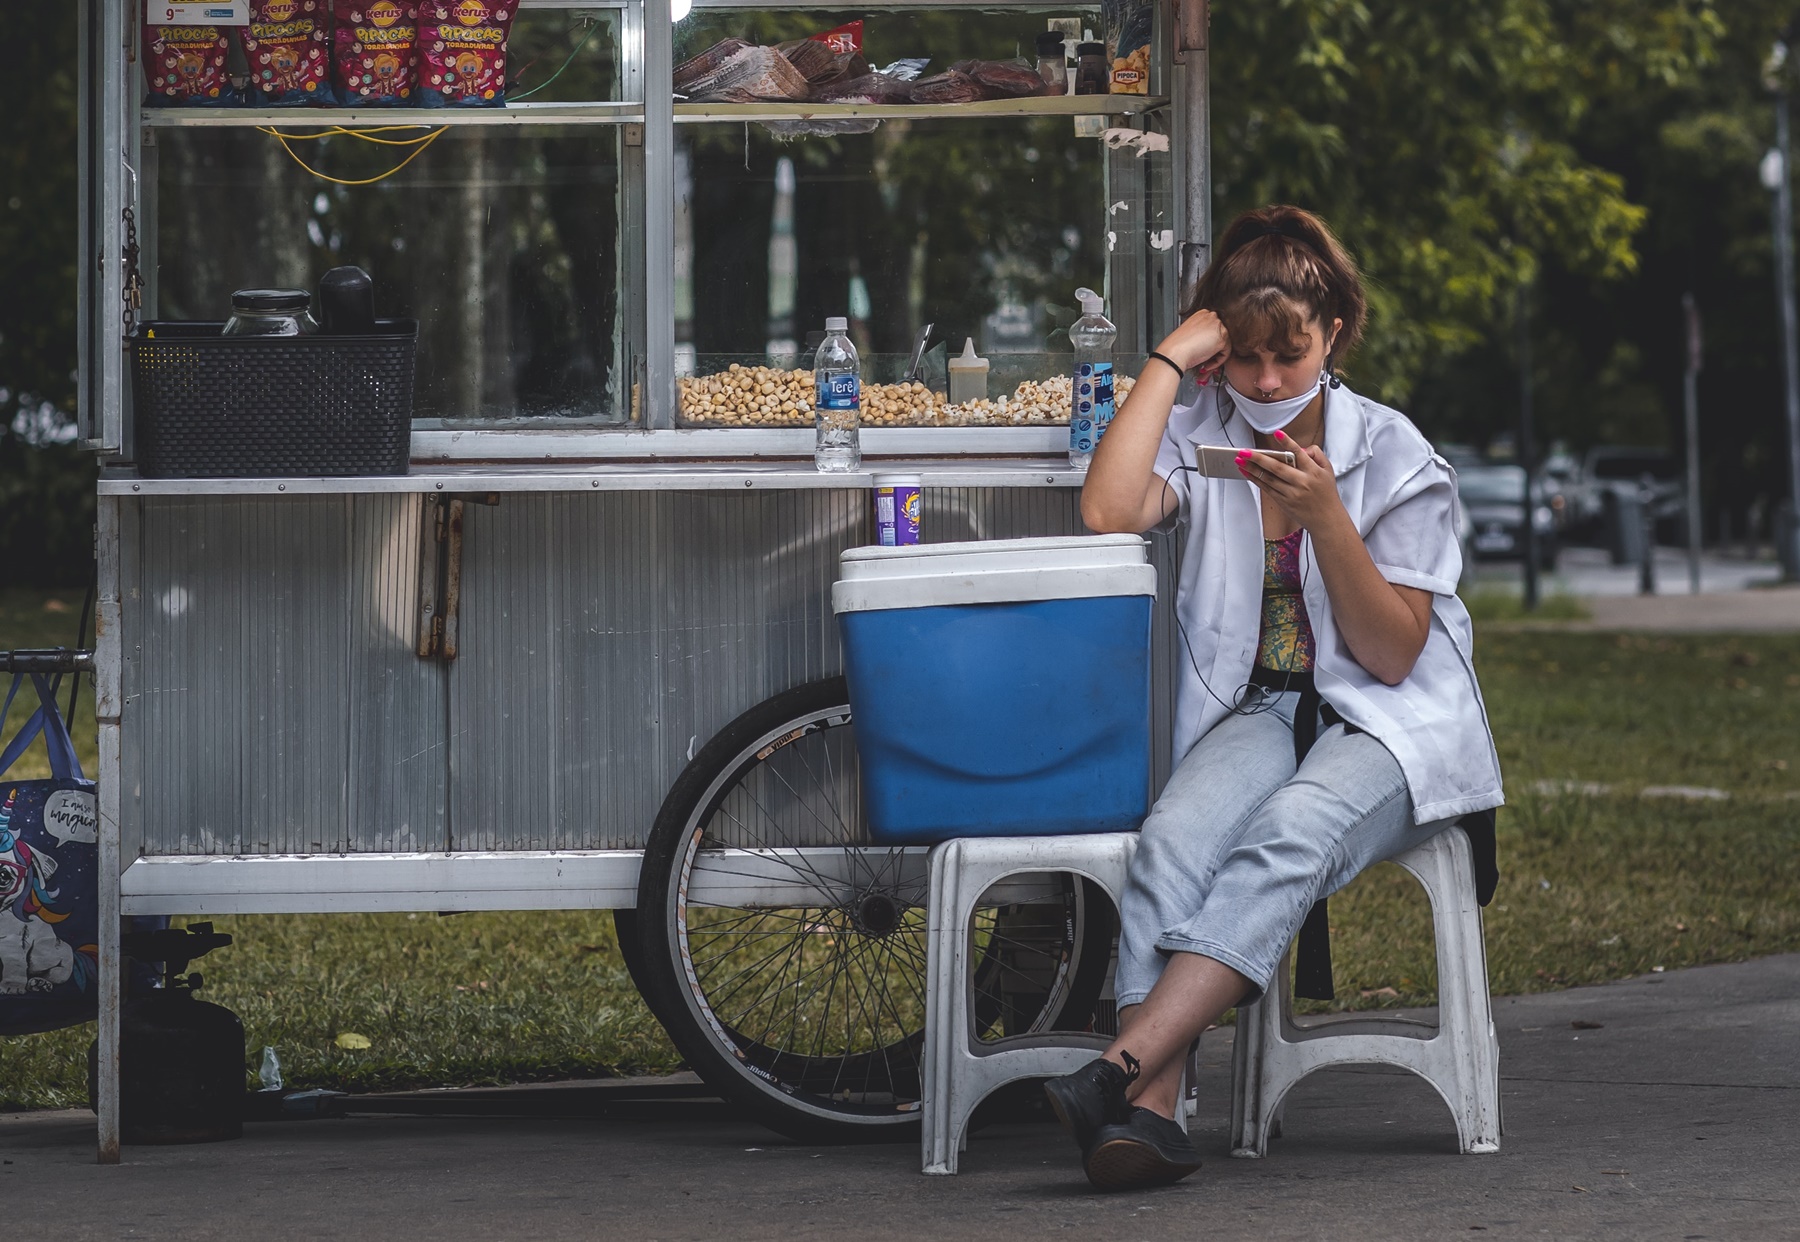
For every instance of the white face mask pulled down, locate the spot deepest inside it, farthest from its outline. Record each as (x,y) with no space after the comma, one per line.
(1268,417)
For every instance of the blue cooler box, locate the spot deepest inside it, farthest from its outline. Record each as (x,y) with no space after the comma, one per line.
(1000,688)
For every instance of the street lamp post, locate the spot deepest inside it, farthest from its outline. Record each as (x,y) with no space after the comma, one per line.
(1527,449)
(1776,178)
(1690,405)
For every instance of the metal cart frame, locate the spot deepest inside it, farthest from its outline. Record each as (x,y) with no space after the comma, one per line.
(734,526)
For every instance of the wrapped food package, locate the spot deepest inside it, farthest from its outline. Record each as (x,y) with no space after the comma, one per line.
(870,88)
(705,64)
(374,60)
(952,87)
(287,45)
(185,66)
(462,52)
(1128,25)
(845,38)
(1007,79)
(815,61)
(751,75)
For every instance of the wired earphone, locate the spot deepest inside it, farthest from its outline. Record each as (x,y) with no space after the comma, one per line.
(1261,698)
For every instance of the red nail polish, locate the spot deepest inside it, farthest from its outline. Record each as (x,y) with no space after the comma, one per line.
(1281,435)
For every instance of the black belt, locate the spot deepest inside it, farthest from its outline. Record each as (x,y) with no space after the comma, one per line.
(1312,965)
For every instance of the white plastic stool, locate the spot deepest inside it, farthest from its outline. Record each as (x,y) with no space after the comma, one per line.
(959,1070)
(1460,1056)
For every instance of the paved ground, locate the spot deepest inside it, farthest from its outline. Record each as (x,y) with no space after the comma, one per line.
(1738,595)
(1674,1118)
(1589,572)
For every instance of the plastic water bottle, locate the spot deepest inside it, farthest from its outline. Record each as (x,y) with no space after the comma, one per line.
(270,1075)
(837,407)
(1091,401)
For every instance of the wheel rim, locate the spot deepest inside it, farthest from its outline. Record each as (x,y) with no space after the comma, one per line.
(802,945)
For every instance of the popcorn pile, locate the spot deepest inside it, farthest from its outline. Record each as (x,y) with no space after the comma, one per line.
(771,397)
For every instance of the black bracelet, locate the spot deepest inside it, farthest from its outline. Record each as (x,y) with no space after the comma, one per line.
(1180,372)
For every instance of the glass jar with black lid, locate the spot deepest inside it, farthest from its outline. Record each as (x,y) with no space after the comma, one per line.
(271,312)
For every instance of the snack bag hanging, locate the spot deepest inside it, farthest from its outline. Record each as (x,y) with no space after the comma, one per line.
(462,52)
(184,66)
(375,51)
(49,832)
(288,46)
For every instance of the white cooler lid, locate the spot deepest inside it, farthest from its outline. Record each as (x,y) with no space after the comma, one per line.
(993,571)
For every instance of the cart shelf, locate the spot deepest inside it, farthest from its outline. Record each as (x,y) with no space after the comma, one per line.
(610,113)
(1054,105)
(633,113)
(649,476)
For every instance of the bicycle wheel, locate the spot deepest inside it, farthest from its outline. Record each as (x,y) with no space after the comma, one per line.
(785,954)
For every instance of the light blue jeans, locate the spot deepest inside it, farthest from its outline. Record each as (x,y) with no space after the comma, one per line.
(1241,844)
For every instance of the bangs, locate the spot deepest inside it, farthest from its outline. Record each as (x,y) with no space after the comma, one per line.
(1268,319)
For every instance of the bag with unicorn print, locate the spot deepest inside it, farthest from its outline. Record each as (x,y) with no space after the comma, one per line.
(48,864)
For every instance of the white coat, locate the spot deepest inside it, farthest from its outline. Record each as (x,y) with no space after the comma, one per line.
(1401,496)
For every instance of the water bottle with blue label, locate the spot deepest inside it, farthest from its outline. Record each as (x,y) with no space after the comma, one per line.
(837,409)
(1091,402)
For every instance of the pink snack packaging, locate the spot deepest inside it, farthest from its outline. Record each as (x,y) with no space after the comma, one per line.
(375,51)
(184,66)
(462,52)
(288,46)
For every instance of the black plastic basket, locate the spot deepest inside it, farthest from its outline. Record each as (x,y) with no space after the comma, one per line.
(210,406)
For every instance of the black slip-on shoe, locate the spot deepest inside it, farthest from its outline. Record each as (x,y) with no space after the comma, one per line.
(1147,1149)
(1091,1097)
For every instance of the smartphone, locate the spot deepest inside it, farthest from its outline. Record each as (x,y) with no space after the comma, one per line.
(1219,461)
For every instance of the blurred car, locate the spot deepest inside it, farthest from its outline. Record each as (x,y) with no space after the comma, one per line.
(1494,498)
(1622,469)
(1559,476)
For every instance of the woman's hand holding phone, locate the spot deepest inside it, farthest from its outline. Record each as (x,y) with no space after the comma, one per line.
(1306,491)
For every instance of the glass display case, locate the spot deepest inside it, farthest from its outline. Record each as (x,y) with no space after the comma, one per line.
(598,255)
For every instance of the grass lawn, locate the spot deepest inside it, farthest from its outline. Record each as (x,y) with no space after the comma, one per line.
(1599,882)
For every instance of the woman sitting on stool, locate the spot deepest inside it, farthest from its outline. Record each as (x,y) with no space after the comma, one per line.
(1327,716)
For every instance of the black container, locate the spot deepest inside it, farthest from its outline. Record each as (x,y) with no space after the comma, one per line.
(212,406)
(347,302)
(1093,73)
(181,1070)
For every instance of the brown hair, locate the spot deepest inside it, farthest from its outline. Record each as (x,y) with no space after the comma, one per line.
(1276,269)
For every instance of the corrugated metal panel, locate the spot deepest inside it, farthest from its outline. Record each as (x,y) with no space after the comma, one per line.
(398,781)
(271,686)
(275,703)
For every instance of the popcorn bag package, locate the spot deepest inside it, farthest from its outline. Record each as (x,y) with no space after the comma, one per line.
(1128,29)
(287,45)
(184,66)
(375,51)
(462,52)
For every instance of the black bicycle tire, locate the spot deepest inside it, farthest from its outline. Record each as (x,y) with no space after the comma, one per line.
(653,957)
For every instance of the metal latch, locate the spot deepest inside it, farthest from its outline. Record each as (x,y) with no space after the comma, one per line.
(440,573)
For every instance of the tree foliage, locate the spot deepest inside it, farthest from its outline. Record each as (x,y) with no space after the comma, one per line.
(1440,137)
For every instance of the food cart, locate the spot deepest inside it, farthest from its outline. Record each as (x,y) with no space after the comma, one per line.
(581,654)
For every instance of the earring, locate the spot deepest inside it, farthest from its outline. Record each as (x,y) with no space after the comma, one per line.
(1334,381)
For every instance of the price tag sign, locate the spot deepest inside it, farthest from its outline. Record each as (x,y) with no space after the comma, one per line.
(210,13)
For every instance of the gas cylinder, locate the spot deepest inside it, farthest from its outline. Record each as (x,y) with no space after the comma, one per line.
(181,1059)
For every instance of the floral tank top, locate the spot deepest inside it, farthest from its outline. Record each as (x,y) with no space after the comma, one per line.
(1286,644)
